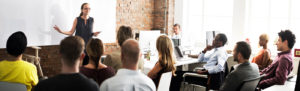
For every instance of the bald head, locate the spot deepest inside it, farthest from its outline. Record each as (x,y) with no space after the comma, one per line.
(130,52)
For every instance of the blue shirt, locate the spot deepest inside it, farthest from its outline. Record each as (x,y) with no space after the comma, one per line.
(215,60)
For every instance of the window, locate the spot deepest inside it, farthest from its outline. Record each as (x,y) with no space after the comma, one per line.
(200,16)
(261,16)
(271,16)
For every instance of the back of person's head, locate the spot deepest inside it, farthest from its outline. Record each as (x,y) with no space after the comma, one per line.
(164,47)
(222,37)
(130,52)
(124,33)
(244,49)
(95,50)
(289,36)
(264,37)
(16,44)
(71,49)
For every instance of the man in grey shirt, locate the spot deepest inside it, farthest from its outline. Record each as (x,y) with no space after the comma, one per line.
(244,70)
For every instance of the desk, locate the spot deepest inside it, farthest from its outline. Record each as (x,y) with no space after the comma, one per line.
(149,64)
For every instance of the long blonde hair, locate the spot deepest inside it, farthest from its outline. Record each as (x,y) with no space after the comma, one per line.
(164,47)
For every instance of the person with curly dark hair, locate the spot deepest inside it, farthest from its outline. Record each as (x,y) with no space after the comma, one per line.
(278,71)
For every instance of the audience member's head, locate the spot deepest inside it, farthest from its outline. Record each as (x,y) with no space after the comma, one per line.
(176,29)
(71,50)
(164,47)
(286,40)
(124,33)
(95,50)
(16,44)
(263,40)
(220,40)
(130,53)
(242,51)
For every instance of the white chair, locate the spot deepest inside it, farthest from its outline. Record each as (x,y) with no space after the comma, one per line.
(8,86)
(230,63)
(165,81)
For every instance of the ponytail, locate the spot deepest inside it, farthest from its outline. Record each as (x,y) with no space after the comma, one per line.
(80,14)
(95,50)
(82,8)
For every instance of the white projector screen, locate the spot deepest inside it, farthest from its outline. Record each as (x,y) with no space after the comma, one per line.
(36,19)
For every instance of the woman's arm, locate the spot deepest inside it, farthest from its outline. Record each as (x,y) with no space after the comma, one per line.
(265,59)
(67,32)
(153,73)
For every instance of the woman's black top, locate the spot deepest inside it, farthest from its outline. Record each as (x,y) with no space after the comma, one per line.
(84,30)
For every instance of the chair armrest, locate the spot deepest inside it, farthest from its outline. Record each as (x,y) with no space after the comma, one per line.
(198,68)
(194,75)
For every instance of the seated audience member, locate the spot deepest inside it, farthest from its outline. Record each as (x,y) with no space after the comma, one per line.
(245,70)
(165,61)
(16,70)
(176,32)
(215,57)
(278,71)
(114,59)
(262,59)
(129,78)
(95,69)
(71,51)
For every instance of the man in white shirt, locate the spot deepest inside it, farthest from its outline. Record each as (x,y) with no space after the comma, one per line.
(176,32)
(215,57)
(129,78)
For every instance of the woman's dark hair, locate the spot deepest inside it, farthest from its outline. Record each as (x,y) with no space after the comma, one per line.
(82,8)
(95,50)
(289,36)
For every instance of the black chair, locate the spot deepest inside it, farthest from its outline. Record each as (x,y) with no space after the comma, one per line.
(213,81)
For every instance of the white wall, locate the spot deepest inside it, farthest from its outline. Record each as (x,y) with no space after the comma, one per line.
(37,17)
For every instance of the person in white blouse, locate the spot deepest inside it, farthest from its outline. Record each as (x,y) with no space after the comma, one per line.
(129,78)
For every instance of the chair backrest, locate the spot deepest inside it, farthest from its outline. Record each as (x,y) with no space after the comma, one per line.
(230,63)
(165,81)
(8,86)
(250,84)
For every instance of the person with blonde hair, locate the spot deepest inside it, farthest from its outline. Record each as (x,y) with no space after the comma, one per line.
(95,69)
(165,61)
(262,59)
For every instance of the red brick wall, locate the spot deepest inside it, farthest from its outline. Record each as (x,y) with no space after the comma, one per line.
(160,7)
(139,14)
(135,13)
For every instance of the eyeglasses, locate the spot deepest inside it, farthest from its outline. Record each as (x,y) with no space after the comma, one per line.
(86,8)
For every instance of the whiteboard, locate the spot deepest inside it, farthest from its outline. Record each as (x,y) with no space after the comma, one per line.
(36,19)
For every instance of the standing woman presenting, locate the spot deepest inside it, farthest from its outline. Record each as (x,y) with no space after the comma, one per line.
(83,25)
